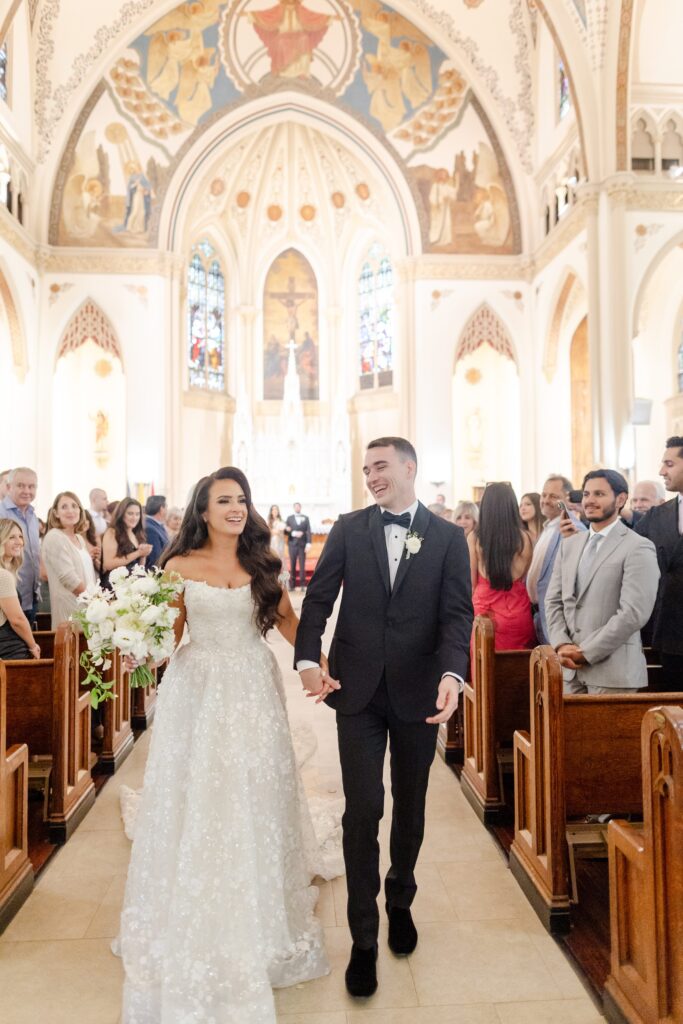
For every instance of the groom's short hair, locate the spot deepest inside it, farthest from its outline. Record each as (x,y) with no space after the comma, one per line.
(402,446)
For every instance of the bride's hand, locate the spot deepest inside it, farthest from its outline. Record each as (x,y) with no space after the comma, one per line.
(130,663)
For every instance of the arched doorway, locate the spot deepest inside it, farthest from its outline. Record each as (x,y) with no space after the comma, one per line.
(580,380)
(486,407)
(89,407)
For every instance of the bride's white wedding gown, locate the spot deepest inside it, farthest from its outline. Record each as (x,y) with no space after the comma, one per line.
(218,905)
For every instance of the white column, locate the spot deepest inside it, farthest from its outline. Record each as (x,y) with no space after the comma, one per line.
(404,379)
(176,377)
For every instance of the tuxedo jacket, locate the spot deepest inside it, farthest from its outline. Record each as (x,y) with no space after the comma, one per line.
(305,525)
(660,525)
(605,615)
(409,634)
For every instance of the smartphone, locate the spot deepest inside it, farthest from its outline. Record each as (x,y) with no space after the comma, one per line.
(563,509)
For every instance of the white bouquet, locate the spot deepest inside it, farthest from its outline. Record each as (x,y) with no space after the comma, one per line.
(134,617)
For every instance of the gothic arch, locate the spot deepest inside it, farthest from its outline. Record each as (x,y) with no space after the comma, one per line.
(647,276)
(16,334)
(89,323)
(485,327)
(570,291)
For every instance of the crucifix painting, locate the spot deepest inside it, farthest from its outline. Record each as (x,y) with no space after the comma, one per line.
(290,318)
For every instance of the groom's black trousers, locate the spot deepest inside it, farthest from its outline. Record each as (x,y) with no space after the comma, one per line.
(362,746)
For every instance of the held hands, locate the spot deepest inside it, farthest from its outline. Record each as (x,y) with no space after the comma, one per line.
(571,656)
(446,701)
(318,682)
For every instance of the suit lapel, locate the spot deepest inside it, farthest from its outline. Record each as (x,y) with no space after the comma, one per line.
(380,545)
(419,525)
(606,548)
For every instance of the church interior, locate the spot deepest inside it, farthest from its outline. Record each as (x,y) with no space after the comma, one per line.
(228,242)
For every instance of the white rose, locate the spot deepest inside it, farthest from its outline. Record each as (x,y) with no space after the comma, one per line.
(97,611)
(126,639)
(145,585)
(106,629)
(413,545)
(140,650)
(152,614)
(118,574)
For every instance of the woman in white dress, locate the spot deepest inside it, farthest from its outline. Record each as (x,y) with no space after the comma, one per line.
(218,906)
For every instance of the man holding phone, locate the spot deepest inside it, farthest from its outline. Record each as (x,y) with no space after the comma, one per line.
(555,498)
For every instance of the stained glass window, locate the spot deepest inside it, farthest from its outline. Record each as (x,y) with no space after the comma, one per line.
(206,320)
(376,321)
(680,367)
(564,98)
(3,71)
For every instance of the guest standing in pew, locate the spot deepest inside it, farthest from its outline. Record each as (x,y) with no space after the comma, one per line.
(298,530)
(17,641)
(466,516)
(98,509)
(532,517)
(276,525)
(601,594)
(500,555)
(647,494)
(155,527)
(218,907)
(67,560)
(174,520)
(18,505)
(663,525)
(399,656)
(554,496)
(124,542)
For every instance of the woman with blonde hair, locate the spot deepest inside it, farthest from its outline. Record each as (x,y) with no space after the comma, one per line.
(466,515)
(17,642)
(67,560)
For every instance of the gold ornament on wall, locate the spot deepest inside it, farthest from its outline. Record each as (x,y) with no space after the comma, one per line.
(243,199)
(103,368)
(473,375)
(217,187)
(307,212)
(274,212)
(338,200)
(363,191)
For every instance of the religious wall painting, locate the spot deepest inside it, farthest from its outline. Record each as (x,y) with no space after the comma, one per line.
(466,192)
(290,326)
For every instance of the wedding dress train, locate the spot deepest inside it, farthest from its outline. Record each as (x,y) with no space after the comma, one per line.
(218,906)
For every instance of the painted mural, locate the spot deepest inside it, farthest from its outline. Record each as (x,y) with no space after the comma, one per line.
(290,325)
(206,58)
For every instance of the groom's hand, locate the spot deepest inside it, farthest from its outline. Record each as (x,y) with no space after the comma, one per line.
(446,701)
(318,683)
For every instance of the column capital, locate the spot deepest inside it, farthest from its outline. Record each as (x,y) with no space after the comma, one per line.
(247,314)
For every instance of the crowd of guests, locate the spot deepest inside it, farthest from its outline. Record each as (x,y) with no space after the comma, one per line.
(75,548)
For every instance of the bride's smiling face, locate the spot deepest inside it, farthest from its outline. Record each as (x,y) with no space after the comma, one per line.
(227,510)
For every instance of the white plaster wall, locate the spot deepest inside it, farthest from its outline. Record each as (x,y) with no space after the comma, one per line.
(19,440)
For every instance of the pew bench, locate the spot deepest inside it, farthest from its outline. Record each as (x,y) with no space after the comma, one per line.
(581,757)
(645,985)
(496,703)
(47,710)
(16,870)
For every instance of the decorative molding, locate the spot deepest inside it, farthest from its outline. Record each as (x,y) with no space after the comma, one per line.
(17,343)
(622,85)
(16,236)
(485,327)
(571,225)
(89,323)
(659,200)
(458,268)
(105,261)
(437,297)
(642,232)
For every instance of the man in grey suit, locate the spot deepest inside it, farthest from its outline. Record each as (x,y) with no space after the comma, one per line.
(601,594)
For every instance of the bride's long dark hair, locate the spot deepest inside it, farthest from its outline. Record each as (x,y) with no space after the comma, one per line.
(254,552)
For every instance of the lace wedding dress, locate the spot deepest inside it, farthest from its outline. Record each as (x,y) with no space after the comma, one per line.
(218,906)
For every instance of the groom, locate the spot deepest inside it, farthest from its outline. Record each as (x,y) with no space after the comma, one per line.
(397,661)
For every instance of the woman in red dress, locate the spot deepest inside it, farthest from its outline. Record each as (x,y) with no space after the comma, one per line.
(500,556)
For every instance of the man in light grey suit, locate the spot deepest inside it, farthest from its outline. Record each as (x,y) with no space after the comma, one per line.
(601,594)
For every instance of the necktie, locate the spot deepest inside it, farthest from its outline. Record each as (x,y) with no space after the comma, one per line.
(389,519)
(586,563)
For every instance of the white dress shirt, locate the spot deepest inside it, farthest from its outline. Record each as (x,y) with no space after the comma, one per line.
(549,527)
(99,521)
(395,537)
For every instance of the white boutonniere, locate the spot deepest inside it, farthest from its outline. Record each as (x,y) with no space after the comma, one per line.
(413,543)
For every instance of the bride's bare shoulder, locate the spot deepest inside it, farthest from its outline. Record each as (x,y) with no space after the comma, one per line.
(186,566)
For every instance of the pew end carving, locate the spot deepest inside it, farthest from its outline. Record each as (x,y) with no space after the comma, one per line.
(16,871)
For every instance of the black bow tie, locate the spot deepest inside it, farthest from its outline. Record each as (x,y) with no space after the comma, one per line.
(389,519)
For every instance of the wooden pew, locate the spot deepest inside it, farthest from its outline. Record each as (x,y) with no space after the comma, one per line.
(645,985)
(144,704)
(16,871)
(48,710)
(495,704)
(582,756)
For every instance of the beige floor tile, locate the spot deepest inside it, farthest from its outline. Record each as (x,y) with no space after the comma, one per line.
(60,982)
(105,923)
(324,909)
(312,1018)
(98,854)
(569,982)
(58,908)
(568,1011)
(482,1014)
(478,962)
(328,994)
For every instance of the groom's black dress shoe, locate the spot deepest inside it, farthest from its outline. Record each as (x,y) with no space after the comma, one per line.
(361,974)
(402,931)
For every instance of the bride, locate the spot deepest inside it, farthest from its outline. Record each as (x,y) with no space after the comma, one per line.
(218,906)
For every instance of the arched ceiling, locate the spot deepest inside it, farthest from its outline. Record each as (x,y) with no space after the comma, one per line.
(202,63)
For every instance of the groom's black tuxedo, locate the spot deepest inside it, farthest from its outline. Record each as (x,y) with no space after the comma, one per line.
(390,648)
(410,634)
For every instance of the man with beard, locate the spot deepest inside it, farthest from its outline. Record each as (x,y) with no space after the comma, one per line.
(601,594)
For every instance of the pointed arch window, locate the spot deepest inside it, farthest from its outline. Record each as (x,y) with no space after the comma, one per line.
(206,319)
(564,100)
(4,72)
(376,320)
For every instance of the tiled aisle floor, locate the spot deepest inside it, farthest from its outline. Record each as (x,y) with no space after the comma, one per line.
(482,958)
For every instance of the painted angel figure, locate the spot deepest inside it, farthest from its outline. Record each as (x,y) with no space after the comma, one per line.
(178,59)
(290,32)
